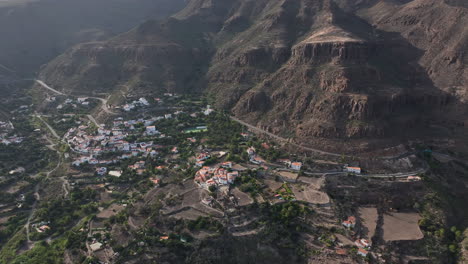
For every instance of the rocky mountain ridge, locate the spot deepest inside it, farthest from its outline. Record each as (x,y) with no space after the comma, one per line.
(304,69)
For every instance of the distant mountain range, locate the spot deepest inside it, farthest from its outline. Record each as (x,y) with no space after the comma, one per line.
(315,70)
(35,31)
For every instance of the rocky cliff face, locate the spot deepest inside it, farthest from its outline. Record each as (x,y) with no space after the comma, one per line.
(302,68)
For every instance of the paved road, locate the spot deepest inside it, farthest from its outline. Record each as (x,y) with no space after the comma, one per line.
(103,101)
(52,130)
(6,68)
(396,175)
(259,130)
(103,105)
(90,117)
(43,84)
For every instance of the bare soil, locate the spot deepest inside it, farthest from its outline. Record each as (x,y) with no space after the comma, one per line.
(315,182)
(401,226)
(369,217)
(307,193)
(16,187)
(110,211)
(3,220)
(289,175)
(273,185)
(190,214)
(243,199)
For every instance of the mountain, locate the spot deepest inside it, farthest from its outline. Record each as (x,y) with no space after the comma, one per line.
(35,31)
(317,71)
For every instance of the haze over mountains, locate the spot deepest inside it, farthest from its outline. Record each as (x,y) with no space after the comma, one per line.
(34,32)
(299,68)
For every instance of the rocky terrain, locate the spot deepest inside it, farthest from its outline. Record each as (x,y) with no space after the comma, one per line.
(309,70)
(34,32)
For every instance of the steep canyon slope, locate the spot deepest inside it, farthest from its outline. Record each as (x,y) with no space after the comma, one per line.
(299,68)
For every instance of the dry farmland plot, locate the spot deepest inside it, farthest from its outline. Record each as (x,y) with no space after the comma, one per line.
(315,182)
(307,194)
(189,213)
(369,217)
(346,241)
(273,185)
(17,187)
(242,198)
(401,226)
(4,220)
(289,176)
(110,211)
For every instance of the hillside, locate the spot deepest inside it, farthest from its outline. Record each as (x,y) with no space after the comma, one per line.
(306,69)
(34,32)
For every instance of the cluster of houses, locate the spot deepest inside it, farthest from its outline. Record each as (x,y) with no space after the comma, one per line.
(91,145)
(216,176)
(201,158)
(253,157)
(139,167)
(363,245)
(41,227)
(111,140)
(79,101)
(296,165)
(139,103)
(6,140)
(6,125)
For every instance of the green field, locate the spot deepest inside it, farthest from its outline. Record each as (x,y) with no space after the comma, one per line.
(196,130)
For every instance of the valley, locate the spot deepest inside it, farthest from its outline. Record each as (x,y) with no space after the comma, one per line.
(233,131)
(187,175)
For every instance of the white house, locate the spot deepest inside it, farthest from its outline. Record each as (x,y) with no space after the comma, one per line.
(296,166)
(95,246)
(362,252)
(115,173)
(143,101)
(356,170)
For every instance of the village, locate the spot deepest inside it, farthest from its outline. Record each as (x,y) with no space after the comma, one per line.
(200,164)
(5,138)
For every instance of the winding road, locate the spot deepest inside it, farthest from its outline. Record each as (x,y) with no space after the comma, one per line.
(30,243)
(51,129)
(43,84)
(259,130)
(103,101)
